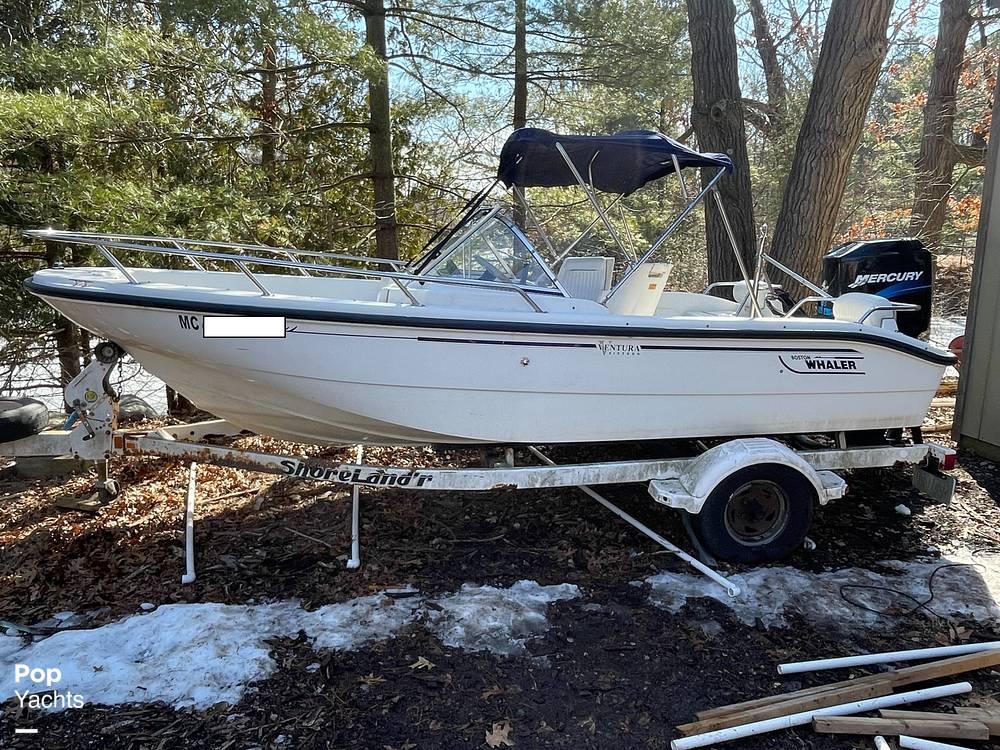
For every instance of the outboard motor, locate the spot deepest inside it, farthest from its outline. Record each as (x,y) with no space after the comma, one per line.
(900,270)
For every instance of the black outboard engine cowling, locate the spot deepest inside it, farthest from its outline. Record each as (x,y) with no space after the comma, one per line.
(900,270)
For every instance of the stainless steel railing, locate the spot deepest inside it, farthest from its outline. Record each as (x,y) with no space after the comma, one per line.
(104,243)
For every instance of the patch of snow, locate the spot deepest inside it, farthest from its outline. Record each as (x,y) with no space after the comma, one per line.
(484,618)
(195,654)
(10,644)
(903,510)
(345,626)
(943,331)
(772,594)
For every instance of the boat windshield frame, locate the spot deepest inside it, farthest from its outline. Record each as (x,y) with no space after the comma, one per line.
(478,219)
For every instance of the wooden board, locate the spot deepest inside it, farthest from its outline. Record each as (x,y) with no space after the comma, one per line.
(989,717)
(956,728)
(898,678)
(895,713)
(793,706)
(782,697)
(945,668)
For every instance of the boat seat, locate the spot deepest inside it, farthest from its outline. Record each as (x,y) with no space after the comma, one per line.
(694,305)
(641,292)
(854,306)
(586,278)
(702,305)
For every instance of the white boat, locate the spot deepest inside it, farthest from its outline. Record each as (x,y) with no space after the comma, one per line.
(481,341)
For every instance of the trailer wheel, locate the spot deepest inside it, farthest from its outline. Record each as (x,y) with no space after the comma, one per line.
(21,418)
(757,514)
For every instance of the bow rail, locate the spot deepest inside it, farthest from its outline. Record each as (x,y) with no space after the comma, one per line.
(181,247)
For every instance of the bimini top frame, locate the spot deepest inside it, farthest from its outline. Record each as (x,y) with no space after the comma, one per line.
(621,163)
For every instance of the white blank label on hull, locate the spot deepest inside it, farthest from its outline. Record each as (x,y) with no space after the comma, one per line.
(243,327)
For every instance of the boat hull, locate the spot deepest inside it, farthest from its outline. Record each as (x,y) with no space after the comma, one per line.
(406,383)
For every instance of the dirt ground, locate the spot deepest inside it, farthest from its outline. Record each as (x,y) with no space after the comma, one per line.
(618,675)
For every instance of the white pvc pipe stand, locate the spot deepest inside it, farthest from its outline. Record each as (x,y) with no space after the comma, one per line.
(805,717)
(190,575)
(881,744)
(731,588)
(354,562)
(915,743)
(914,654)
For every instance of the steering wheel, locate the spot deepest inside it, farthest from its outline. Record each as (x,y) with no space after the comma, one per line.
(491,269)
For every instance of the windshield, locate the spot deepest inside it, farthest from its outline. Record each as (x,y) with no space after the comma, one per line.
(494,252)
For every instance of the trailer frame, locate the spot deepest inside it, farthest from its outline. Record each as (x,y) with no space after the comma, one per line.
(686,483)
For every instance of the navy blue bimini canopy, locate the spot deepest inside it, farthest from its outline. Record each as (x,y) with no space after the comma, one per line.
(619,163)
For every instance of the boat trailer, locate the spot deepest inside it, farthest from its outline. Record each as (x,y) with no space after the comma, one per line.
(690,484)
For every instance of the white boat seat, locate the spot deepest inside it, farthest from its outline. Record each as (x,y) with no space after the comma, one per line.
(694,305)
(702,305)
(586,278)
(857,306)
(641,292)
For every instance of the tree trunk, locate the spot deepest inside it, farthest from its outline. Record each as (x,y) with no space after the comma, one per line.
(520,82)
(67,337)
(386,240)
(854,46)
(717,117)
(774,78)
(269,106)
(936,161)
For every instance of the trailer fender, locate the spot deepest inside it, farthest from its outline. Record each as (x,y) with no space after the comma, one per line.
(691,488)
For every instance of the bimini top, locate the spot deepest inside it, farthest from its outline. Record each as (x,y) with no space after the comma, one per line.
(619,163)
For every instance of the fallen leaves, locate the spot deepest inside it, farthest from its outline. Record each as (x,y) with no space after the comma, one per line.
(422,662)
(499,735)
(491,692)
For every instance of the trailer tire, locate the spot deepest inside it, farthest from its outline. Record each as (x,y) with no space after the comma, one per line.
(21,418)
(757,514)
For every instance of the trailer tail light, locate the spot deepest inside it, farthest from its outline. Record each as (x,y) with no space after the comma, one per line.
(948,461)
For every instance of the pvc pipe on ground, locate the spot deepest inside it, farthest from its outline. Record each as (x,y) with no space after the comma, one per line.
(914,654)
(355,560)
(881,744)
(804,717)
(915,743)
(731,588)
(190,575)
